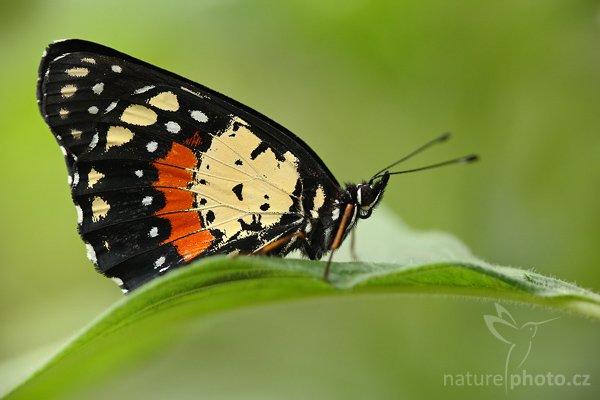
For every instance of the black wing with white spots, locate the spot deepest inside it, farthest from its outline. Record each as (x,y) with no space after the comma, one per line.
(163,170)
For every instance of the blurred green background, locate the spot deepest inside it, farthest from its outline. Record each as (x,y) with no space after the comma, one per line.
(363,82)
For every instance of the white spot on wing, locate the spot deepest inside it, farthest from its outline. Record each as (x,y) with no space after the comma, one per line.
(93,110)
(144,89)
(159,262)
(198,116)
(335,214)
(75,179)
(79,215)
(153,232)
(76,133)
(63,151)
(139,173)
(147,200)
(88,60)
(59,57)
(116,68)
(94,141)
(308,227)
(194,93)
(98,88)
(63,113)
(116,280)
(91,253)
(173,127)
(110,107)
(152,146)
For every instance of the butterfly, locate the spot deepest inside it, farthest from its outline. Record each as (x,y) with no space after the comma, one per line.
(164,171)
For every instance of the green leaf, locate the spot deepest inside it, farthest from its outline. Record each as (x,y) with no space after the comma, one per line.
(424,263)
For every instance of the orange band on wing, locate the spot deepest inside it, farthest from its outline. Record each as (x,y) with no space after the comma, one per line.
(176,200)
(175,170)
(172,176)
(180,156)
(193,245)
(188,243)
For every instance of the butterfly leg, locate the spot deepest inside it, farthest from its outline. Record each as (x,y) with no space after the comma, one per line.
(269,248)
(353,254)
(337,241)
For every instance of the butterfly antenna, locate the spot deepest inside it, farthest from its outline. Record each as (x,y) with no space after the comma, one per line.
(462,160)
(442,138)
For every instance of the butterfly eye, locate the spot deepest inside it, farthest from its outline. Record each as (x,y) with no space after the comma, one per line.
(364,195)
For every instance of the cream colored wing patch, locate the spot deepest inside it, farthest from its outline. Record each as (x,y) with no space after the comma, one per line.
(241,180)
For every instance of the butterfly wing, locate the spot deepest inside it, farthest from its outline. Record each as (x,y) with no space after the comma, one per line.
(163,170)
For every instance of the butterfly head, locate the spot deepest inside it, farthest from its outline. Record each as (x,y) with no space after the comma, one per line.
(369,194)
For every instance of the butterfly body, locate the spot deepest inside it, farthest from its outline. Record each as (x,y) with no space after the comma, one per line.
(163,170)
